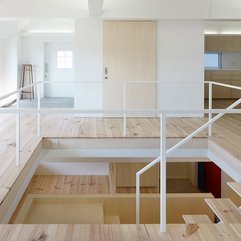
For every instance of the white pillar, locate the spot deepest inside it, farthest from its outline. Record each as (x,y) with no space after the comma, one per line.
(38,116)
(124,108)
(210,106)
(180,65)
(137,199)
(163,172)
(18,131)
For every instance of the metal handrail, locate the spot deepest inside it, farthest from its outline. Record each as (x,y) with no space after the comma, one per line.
(72,82)
(124,112)
(204,126)
(100,111)
(18,90)
(162,158)
(101,82)
(176,146)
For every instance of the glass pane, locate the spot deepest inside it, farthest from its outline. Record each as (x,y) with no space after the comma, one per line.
(64,59)
(211,60)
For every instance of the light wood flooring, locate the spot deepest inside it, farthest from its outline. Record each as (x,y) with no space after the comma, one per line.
(226,133)
(59,184)
(69,126)
(124,232)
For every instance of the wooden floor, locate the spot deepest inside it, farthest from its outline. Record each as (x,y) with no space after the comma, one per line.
(59,184)
(226,133)
(69,185)
(69,126)
(63,232)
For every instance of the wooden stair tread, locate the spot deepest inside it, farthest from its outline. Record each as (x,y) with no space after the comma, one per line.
(189,219)
(112,220)
(225,210)
(236,186)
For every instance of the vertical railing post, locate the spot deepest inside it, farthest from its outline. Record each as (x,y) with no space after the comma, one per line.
(210,106)
(137,198)
(18,130)
(163,172)
(124,108)
(39,106)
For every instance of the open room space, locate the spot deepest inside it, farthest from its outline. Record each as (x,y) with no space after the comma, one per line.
(120,120)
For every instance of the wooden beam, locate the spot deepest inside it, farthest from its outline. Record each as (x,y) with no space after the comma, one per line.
(95,7)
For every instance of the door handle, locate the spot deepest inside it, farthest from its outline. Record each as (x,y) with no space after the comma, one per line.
(106,73)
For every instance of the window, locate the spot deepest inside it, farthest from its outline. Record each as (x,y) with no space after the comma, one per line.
(64,59)
(213,60)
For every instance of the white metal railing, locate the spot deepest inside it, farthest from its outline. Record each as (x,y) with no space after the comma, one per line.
(164,153)
(124,112)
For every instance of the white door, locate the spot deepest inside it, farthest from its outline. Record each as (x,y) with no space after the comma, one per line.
(59,67)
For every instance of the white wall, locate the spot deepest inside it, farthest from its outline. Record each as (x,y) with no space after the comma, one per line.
(157,9)
(225,9)
(180,64)
(73,168)
(10,64)
(88,63)
(1,65)
(33,53)
(9,78)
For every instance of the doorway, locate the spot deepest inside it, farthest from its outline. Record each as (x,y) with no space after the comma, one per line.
(59,67)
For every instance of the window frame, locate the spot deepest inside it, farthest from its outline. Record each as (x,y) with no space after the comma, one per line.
(64,64)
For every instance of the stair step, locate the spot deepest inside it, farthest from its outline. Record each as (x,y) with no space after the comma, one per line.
(196,219)
(225,210)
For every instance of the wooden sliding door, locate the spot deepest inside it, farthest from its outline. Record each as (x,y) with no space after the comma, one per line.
(129,54)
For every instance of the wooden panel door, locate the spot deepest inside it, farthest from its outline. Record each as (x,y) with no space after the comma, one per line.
(129,54)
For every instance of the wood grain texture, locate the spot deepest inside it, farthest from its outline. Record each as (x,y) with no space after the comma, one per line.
(225,210)
(126,175)
(226,134)
(148,232)
(122,205)
(222,43)
(69,126)
(236,186)
(231,77)
(129,54)
(64,211)
(48,184)
(196,219)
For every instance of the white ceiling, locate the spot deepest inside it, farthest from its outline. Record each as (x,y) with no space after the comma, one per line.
(41,8)
(49,26)
(43,16)
(10,27)
(31,26)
